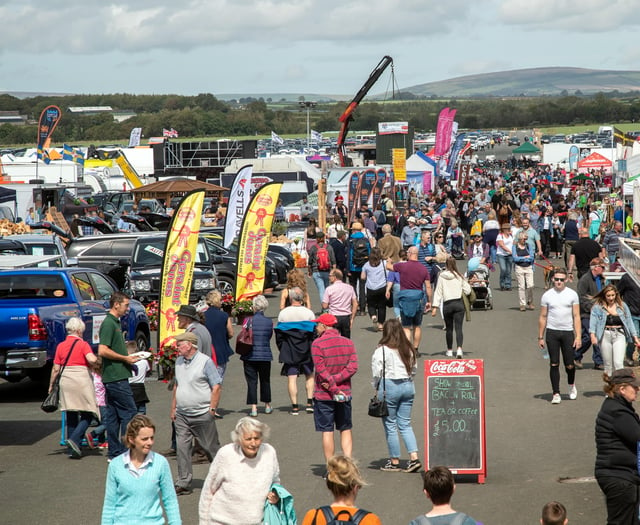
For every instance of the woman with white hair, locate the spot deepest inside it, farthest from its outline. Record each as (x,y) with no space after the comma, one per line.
(257,363)
(240,477)
(77,395)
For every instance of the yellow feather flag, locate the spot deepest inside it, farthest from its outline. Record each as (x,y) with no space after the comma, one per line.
(254,241)
(178,262)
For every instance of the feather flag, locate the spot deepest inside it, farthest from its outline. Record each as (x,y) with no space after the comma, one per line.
(276,139)
(239,199)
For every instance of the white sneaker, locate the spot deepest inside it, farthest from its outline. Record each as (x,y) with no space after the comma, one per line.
(449,353)
(556,399)
(459,353)
(573,392)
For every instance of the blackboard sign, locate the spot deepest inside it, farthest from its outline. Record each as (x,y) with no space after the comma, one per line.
(454,415)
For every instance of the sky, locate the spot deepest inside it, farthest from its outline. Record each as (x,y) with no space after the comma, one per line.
(326,47)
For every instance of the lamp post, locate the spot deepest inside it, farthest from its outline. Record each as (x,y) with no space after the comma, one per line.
(308,104)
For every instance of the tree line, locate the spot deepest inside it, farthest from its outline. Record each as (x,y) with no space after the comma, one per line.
(204,115)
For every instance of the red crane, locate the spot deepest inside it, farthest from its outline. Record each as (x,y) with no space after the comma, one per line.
(347,116)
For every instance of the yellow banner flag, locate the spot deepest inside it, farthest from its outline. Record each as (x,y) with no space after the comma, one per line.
(399,160)
(178,262)
(254,241)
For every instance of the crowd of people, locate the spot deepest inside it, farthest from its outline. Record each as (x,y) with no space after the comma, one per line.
(394,264)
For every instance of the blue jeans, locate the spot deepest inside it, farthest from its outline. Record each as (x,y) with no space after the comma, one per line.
(493,253)
(506,266)
(400,394)
(322,281)
(585,343)
(120,409)
(99,430)
(396,305)
(77,425)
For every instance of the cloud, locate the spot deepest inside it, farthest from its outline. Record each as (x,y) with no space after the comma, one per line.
(97,27)
(570,16)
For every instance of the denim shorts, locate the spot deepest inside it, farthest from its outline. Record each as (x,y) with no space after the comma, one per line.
(330,414)
(415,320)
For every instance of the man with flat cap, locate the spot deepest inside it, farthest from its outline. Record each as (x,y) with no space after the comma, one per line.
(335,361)
(196,394)
(189,320)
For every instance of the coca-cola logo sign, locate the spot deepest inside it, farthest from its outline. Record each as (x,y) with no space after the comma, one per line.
(452,366)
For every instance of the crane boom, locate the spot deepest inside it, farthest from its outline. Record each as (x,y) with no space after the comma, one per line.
(347,115)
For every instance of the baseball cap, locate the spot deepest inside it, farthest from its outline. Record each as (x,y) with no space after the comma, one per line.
(187,336)
(624,375)
(326,319)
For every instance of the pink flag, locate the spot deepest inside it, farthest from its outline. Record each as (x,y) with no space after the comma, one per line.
(441,135)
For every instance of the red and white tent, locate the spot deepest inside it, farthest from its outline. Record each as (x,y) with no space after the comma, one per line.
(595,161)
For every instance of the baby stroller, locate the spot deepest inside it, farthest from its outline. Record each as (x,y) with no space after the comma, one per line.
(479,280)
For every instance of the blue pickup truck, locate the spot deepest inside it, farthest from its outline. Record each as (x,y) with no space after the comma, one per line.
(36,303)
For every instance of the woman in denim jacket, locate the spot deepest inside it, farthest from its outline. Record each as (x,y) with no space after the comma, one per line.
(610,326)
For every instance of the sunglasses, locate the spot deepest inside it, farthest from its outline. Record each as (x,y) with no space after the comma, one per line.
(559,279)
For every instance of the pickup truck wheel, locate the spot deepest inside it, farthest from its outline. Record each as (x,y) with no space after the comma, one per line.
(225,286)
(142,342)
(38,375)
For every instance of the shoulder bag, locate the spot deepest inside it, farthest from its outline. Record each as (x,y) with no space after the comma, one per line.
(378,407)
(244,342)
(51,402)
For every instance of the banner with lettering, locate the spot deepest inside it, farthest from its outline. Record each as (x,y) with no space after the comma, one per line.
(355,185)
(178,262)
(254,241)
(49,119)
(455,151)
(399,161)
(443,131)
(238,203)
(134,138)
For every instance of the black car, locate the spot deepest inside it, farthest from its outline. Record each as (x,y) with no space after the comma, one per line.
(109,254)
(146,266)
(278,257)
(225,261)
(513,141)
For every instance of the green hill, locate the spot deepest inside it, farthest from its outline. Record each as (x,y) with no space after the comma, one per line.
(532,82)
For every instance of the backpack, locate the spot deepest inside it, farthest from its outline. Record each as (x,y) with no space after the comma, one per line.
(324,261)
(343,517)
(381,219)
(360,253)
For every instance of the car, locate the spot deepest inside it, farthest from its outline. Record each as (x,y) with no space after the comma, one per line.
(545,139)
(110,254)
(513,141)
(225,260)
(558,139)
(278,257)
(145,269)
(45,245)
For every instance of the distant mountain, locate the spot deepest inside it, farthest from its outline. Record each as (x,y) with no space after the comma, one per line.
(531,82)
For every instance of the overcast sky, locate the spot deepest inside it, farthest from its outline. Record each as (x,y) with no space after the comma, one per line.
(299,46)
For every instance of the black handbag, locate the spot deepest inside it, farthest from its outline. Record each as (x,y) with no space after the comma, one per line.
(52,401)
(378,407)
